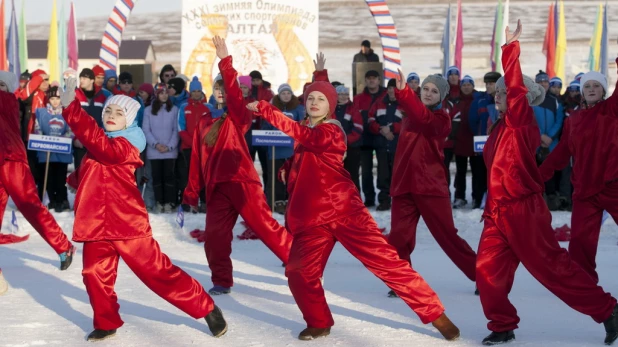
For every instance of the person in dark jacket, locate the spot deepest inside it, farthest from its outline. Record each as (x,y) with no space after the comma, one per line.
(366,54)
(449,105)
(167,73)
(482,110)
(363,102)
(177,91)
(555,87)
(352,123)
(385,123)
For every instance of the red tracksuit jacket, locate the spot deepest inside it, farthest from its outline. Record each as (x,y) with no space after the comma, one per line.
(320,189)
(419,159)
(11,146)
(464,139)
(39,100)
(228,160)
(509,154)
(108,205)
(591,137)
(194,111)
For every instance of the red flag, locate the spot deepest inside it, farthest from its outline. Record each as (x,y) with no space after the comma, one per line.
(3,56)
(72,39)
(459,43)
(549,45)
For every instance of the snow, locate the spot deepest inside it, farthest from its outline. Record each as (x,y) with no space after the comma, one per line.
(45,306)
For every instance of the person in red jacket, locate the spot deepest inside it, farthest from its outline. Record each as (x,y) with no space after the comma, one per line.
(589,137)
(220,163)
(352,123)
(419,186)
(325,207)
(517,221)
(112,222)
(17,182)
(464,147)
(385,123)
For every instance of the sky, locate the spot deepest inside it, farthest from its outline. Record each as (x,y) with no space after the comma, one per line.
(39,11)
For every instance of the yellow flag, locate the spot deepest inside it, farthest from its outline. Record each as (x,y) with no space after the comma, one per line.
(52,48)
(561,45)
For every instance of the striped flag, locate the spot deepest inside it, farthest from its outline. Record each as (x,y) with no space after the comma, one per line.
(110,45)
(549,45)
(388,37)
(23,38)
(52,47)
(595,42)
(446,42)
(459,41)
(73,51)
(604,63)
(13,44)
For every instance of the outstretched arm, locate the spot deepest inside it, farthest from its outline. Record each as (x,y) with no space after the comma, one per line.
(320,73)
(233,95)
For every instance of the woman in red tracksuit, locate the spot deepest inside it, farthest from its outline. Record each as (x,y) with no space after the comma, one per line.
(17,182)
(112,222)
(517,221)
(419,186)
(325,207)
(220,162)
(590,136)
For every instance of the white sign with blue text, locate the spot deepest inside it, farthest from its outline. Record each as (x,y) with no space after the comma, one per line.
(274,138)
(479,143)
(54,144)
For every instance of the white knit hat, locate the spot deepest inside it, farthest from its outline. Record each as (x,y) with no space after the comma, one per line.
(536,92)
(593,76)
(10,79)
(129,105)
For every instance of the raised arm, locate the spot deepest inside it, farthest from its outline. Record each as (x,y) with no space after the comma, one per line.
(320,73)
(518,113)
(614,98)
(233,95)
(30,88)
(317,139)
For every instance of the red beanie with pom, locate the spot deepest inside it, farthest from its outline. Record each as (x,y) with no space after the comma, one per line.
(325,88)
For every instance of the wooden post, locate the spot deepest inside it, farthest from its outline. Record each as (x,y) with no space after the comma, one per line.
(46,173)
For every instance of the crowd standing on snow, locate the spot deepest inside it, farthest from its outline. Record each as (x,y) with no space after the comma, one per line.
(196,153)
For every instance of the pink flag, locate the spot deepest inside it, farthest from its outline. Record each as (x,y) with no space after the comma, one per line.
(459,42)
(3,55)
(72,39)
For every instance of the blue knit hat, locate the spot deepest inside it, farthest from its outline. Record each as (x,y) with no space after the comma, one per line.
(453,70)
(413,76)
(342,89)
(467,79)
(542,76)
(574,86)
(555,82)
(195,84)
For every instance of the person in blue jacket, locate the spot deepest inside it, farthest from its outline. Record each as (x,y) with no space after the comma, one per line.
(482,109)
(49,122)
(290,105)
(549,117)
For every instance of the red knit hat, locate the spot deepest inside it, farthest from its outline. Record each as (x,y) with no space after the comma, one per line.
(147,87)
(98,71)
(325,88)
(38,72)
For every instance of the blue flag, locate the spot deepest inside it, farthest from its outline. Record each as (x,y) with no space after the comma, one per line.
(14,225)
(13,45)
(180,217)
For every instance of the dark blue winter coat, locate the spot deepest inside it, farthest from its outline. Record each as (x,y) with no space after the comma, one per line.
(549,117)
(483,108)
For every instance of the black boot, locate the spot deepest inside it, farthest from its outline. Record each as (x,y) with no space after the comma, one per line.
(384,206)
(611,327)
(98,334)
(313,333)
(392,294)
(216,322)
(499,338)
(66,258)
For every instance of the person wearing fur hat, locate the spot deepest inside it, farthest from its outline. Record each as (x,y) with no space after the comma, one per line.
(385,123)
(589,138)
(112,222)
(49,122)
(16,180)
(220,164)
(160,126)
(352,123)
(325,207)
(288,103)
(517,221)
(419,187)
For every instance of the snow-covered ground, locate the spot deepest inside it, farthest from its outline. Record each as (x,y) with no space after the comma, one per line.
(45,306)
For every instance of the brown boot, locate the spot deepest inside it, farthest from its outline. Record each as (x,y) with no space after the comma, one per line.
(446,328)
(313,333)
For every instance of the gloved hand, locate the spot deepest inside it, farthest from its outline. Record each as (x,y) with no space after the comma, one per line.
(69,94)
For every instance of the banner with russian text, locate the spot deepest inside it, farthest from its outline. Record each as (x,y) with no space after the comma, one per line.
(279,38)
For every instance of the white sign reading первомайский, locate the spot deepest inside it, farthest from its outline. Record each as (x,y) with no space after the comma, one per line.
(279,38)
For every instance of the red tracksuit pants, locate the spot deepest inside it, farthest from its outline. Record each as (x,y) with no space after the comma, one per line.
(16,181)
(227,201)
(438,215)
(586,226)
(522,232)
(360,235)
(144,257)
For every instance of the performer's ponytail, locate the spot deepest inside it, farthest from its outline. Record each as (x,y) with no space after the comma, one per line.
(213,134)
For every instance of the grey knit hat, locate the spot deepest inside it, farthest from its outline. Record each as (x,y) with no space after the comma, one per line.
(536,92)
(439,82)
